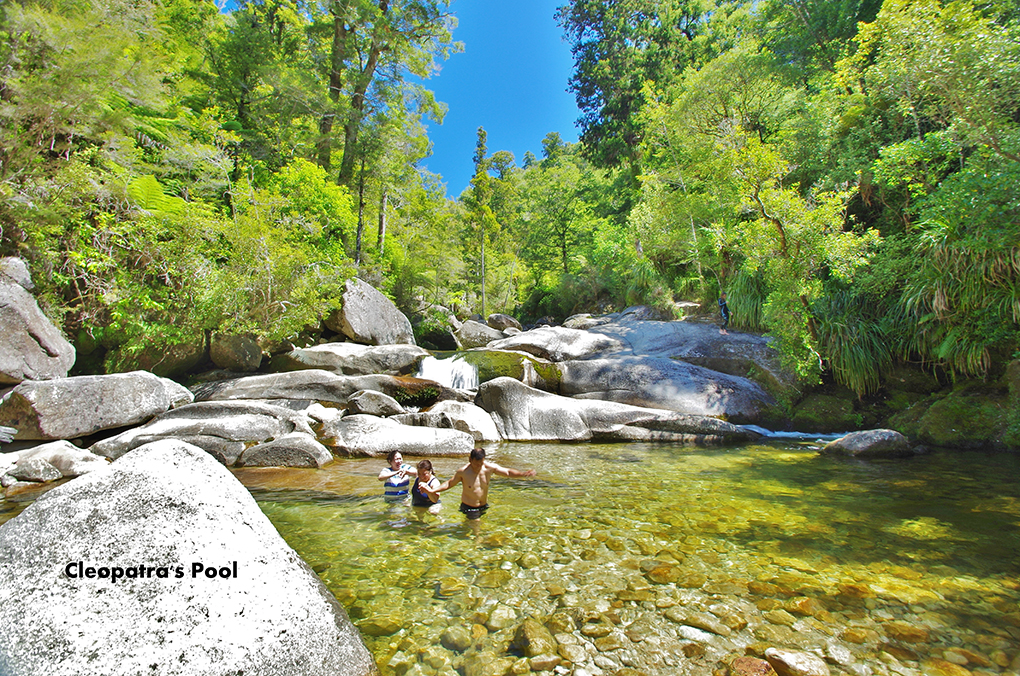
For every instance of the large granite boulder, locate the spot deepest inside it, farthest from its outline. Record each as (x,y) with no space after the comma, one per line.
(502,322)
(374,403)
(469,418)
(68,408)
(656,382)
(557,343)
(222,428)
(204,583)
(369,436)
(240,353)
(736,353)
(323,386)
(871,444)
(522,413)
(369,317)
(296,449)
(31,347)
(353,359)
(475,334)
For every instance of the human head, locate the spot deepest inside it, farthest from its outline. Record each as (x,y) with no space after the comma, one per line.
(424,466)
(477,456)
(394,456)
(723,295)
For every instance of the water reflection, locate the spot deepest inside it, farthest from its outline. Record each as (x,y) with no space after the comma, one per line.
(638,533)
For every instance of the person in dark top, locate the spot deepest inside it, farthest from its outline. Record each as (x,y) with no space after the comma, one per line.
(724,310)
(419,498)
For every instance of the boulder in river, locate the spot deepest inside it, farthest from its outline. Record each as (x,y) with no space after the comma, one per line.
(557,343)
(70,460)
(352,359)
(325,387)
(222,428)
(475,334)
(656,382)
(522,413)
(68,408)
(296,449)
(871,444)
(204,583)
(369,436)
(31,347)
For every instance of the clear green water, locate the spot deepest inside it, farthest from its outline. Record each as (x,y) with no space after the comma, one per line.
(745,533)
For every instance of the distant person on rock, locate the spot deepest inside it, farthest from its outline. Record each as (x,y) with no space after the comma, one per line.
(724,310)
(474,477)
(396,477)
(420,499)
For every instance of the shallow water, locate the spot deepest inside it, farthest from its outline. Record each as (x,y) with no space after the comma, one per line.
(894,567)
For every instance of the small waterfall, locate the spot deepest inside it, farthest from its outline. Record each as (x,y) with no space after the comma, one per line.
(453,372)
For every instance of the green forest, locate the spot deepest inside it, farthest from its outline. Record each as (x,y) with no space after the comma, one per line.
(847,171)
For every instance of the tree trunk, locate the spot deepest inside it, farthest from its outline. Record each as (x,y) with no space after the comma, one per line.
(482,230)
(337,54)
(361,213)
(353,126)
(381,242)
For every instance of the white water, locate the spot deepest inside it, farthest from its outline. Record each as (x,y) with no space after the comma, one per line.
(453,372)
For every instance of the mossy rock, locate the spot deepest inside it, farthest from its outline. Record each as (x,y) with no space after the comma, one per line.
(908,421)
(416,391)
(972,416)
(905,378)
(825,413)
(1012,379)
(493,364)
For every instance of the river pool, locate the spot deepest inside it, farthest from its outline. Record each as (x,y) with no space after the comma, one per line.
(668,559)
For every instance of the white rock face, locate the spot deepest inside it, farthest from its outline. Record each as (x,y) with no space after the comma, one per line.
(167,507)
(31,347)
(371,318)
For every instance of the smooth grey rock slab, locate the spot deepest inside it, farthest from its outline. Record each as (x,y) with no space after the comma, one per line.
(68,408)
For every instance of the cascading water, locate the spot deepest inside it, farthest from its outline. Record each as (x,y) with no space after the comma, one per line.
(453,372)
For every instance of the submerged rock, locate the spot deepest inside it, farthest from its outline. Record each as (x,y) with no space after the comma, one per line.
(167,507)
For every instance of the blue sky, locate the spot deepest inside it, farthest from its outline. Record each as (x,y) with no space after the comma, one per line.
(511,79)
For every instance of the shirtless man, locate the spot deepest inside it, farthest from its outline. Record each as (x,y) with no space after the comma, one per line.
(474,477)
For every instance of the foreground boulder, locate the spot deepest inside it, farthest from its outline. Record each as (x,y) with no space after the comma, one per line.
(871,444)
(31,347)
(656,382)
(369,317)
(223,429)
(166,510)
(68,408)
(369,436)
(352,359)
(522,413)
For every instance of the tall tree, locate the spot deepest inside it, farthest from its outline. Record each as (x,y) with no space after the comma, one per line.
(618,47)
(373,45)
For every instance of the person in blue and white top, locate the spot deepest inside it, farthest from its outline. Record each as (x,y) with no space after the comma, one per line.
(396,477)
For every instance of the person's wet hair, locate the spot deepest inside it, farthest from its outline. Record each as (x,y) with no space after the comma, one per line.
(425,465)
(477,454)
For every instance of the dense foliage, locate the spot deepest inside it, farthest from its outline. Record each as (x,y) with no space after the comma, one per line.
(846,171)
